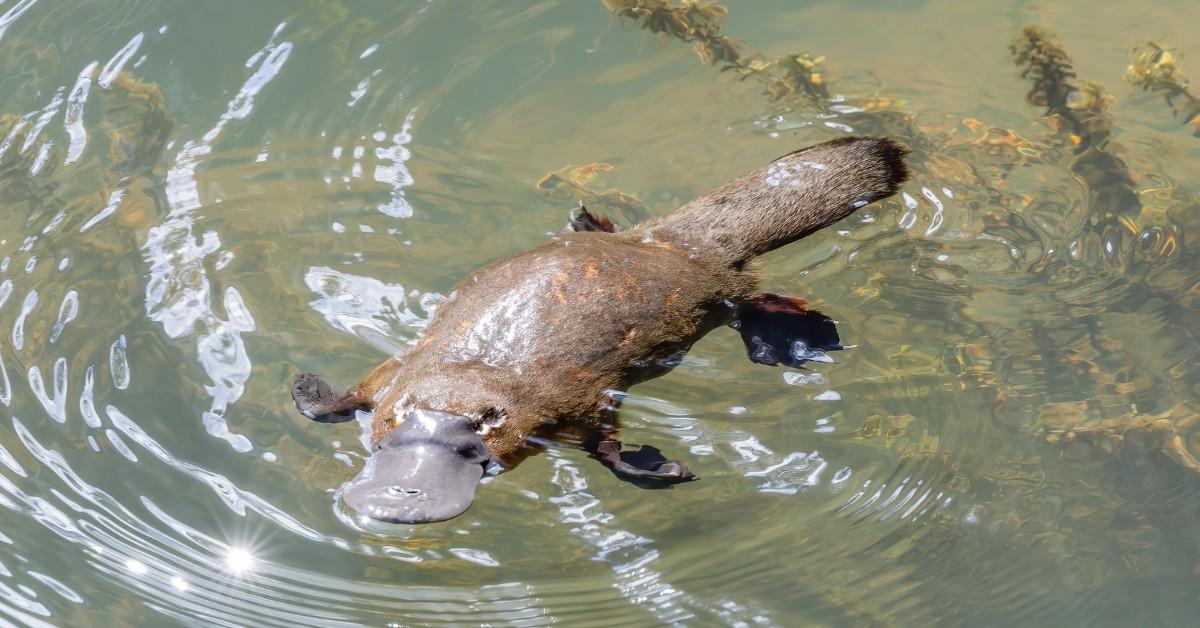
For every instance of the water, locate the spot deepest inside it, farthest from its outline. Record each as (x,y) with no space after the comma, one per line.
(202,199)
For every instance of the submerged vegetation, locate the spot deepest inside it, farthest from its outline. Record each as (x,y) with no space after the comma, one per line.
(1047,66)
(693,21)
(1079,107)
(699,22)
(1079,110)
(1080,376)
(1126,229)
(135,123)
(1153,69)
(570,183)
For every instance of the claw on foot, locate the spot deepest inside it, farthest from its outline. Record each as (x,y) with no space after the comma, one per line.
(645,467)
(317,401)
(583,220)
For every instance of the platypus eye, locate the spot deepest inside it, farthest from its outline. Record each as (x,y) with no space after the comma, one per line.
(473,451)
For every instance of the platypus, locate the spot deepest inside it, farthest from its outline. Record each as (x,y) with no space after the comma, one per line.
(540,345)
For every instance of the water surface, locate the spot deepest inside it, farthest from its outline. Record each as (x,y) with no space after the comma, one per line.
(202,198)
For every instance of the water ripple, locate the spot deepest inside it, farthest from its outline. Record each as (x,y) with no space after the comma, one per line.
(178,292)
(18,331)
(1012,439)
(67,312)
(367,307)
(73,118)
(14,12)
(631,557)
(113,66)
(55,403)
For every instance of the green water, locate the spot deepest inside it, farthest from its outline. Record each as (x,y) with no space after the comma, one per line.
(202,198)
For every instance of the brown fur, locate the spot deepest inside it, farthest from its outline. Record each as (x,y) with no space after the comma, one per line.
(537,339)
(813,187)
(499,344)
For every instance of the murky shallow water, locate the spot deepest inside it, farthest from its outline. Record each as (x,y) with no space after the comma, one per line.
(201,199)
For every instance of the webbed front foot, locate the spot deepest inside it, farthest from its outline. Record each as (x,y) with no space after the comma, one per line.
(317,401)
(645,467)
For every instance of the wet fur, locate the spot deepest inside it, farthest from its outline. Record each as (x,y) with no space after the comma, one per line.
(539,338)
(536,341)
(744,218)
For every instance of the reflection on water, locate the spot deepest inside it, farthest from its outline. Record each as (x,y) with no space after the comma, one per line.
(1011,439)
(177,294)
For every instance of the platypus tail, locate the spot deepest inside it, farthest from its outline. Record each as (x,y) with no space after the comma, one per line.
(784,200)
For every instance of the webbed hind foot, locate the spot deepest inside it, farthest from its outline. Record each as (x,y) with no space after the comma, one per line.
(317,401)
(782,330)
(645,467)
(583,220)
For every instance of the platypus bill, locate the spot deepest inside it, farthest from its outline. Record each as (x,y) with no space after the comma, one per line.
(534,345)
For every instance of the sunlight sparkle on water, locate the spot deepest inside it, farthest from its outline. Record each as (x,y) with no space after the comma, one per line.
(239,560)
(136,567)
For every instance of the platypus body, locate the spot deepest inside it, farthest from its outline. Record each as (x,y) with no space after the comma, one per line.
(535,345)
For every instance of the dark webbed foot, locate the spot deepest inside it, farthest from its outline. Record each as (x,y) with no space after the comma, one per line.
(646,467)
(317,401)
(782,330)
(583,220)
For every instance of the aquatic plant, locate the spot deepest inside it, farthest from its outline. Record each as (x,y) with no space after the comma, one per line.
(1117,220)
(1082,108)
(570,183)
(19,164)
(1162,433)
(694,21)
(1078,112)
(699,22)
(789,75)
(133,121)
(136,123)
(1079,107)
(1047,66)
(1153,69)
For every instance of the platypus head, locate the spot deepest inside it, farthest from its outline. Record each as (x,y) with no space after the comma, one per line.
(423,471)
